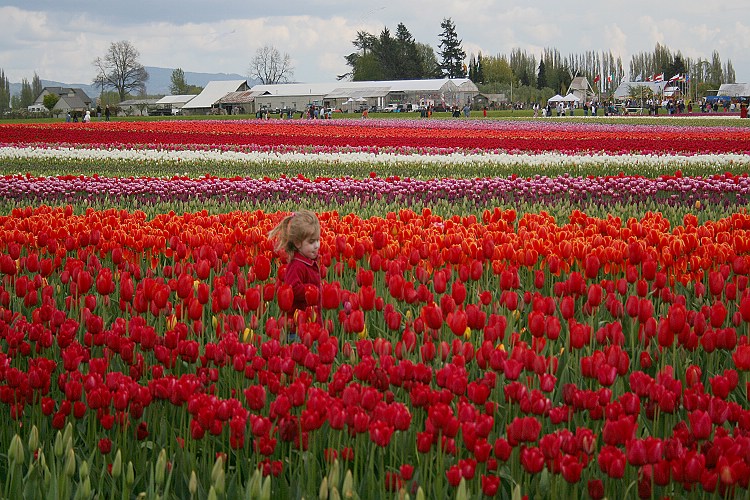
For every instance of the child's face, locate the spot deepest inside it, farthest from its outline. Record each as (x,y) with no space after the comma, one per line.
(309,247)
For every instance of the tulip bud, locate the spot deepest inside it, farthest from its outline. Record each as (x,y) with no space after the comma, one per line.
(212,494)
(220,482)
(86,488)
(83,471)
(323,490)
(117,465)
(265,491)
(334,475)
(130,475)
(46,476)
(335,495)
(58,448)
(218,466)
(68,436)
(70,463)
(193,484)
(255,484)
(461,491)
(33,439)
(544,482)
(161,466)
(348,488)
(517,492)
(420,494)
(16,454)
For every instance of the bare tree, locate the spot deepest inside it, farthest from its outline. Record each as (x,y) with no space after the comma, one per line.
(120,69)
(270,66)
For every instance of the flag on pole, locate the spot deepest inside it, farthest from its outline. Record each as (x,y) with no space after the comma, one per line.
(675,78)
(596,78)
(639,77)
(609,78)
(659,77)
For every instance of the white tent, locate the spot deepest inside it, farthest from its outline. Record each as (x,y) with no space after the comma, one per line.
(570,98)
(556,98)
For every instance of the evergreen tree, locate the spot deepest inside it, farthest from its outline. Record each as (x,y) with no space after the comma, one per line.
(36,86)
(409,57)
(479,77)
(472,68)
(386,52)
(523,66)
(430,66)
(27,94)
(4,92)
(363,63)
(541,79)
(178,84)
(451,55)
(715,70)
(389,57)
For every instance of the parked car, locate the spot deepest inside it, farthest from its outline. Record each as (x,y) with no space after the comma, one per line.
(160,112)
(392,108)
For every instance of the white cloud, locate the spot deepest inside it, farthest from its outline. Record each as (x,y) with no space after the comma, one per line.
(317,34)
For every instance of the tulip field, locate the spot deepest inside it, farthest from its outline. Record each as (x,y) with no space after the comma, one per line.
(511,309)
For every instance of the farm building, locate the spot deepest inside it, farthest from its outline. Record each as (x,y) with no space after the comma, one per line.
(207,101)
(349,96)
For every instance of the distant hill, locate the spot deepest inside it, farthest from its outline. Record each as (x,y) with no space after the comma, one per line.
(159,80)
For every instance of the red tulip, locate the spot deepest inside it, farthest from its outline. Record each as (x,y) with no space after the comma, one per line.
(612,461)
(105,446)
(285,298)
(458,322)
(636,452)
(532,460)
(741,357)
(433,316)
(261,267)
(424,441)
(356,321)
(595,489)
(453,474)
(490,485)
(571,469)
(104,283)
(458,292)
(694,466)
(380,433)
(406,471)
(676,318)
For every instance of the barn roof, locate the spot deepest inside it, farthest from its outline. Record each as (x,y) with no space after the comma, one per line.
(213,91)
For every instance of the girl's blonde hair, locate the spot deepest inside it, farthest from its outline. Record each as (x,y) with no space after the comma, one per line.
(293,230)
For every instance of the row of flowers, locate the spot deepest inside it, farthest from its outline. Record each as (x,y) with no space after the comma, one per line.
(482,353)
(389,136)
(718,190)
(324,156)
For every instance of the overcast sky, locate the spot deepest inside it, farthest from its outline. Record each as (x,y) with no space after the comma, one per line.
(59,39)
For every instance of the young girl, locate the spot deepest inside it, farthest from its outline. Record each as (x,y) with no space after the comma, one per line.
(298,236)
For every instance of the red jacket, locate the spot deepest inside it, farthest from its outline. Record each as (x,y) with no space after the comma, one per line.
(300,272)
